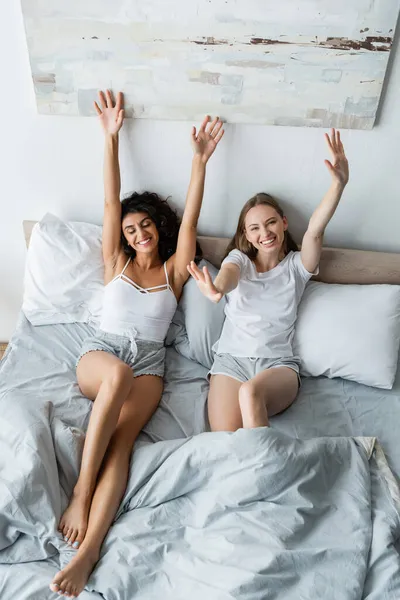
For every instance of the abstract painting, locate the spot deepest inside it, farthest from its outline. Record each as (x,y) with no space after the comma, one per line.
(318,63)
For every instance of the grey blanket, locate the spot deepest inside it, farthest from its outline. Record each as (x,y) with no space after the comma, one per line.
(252,515)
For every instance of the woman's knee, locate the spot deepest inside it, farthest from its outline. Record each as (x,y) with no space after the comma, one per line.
(119,375)
(248,395)
(97,368)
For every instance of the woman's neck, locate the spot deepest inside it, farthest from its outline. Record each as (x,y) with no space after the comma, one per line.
(266,262)
(146,262)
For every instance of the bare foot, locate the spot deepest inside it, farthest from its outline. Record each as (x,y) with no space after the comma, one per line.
(73,523)
(70,581)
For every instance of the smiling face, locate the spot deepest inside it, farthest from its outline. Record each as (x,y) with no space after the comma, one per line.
(265,229)
(140,232)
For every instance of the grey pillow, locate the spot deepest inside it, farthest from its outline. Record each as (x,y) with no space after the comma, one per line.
(197,323)
(349,331)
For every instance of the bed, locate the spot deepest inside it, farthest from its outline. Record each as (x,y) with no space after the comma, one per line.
(308,508)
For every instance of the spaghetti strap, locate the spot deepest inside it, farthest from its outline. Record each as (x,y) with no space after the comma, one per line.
(123,270)
(139,287)
(166,274)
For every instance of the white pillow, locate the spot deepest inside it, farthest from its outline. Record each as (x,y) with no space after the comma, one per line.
(349,331)
(64,275)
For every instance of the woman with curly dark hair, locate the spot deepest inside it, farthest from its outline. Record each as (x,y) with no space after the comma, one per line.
(121,368)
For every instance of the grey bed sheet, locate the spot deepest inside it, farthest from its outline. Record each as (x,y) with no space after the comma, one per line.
(40,360)
(39,365)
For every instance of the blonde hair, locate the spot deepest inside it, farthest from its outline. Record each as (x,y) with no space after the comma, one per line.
(239,240)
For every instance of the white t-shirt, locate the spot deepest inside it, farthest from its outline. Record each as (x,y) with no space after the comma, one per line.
(261,311)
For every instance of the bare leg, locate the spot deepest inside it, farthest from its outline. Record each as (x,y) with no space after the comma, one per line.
(267,394)
(223,404)
(136,411)
(108,380)
(232,404)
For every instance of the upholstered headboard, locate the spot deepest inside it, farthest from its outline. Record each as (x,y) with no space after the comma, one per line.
(337,265)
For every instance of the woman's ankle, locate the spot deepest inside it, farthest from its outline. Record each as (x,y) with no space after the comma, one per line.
(82,492)
(90,551)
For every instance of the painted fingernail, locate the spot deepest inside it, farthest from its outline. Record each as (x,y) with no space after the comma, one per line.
(75,544)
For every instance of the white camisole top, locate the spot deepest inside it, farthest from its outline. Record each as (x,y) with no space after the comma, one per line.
(136,312)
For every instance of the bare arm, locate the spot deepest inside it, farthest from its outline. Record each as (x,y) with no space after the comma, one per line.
(186,247)
(111,118)
(204,144)
(226,280)
(313,238)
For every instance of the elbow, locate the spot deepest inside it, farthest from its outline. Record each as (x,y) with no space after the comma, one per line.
(315,232)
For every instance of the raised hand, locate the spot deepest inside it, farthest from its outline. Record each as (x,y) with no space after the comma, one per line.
(204,282)
(207,138)
(339,167)
(111,115)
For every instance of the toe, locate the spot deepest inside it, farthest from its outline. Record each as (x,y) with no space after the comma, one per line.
(58,584)
(63,586)
(68,589)
(69,533)
(72,537)
(79,538)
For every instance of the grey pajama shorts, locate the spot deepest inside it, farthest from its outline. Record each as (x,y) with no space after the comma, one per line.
(145,357)
(244,368)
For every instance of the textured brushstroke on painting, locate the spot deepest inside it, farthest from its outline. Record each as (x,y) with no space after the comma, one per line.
(210,41)
(44,83)
(206,77)
(375,44)
(266,42)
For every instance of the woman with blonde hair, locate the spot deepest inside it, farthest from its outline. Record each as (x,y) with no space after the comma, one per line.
(255,375)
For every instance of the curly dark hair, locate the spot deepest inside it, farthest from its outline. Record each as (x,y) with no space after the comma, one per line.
(163,216)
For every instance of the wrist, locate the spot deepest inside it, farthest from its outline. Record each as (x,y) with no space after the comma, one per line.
(217,287)
(198,168)
(338,186)
(199,162)
(112,137)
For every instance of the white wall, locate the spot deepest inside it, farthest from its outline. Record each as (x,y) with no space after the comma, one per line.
(54,164)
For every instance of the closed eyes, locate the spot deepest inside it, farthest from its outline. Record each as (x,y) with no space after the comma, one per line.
(144,225)
(266,223)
